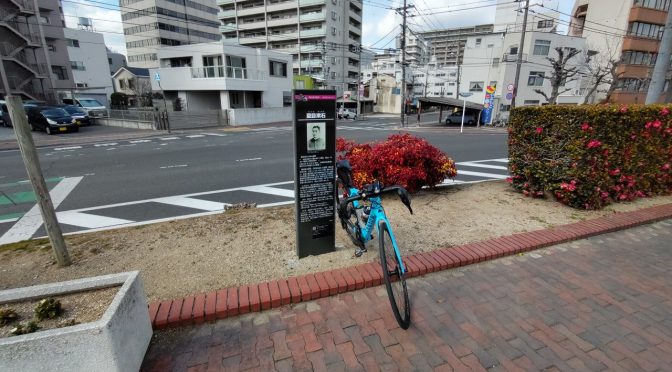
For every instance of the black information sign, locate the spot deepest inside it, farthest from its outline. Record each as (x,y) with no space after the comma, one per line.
(314,173)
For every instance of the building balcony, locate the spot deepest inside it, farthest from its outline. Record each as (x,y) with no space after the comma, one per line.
(626,97)
(282,22)
(285,5)
(356,3)
(647,15)
(317,32)
(356,17)
(311,48)
(224,14)
(250,11)
(312,17)
(508,57)
(228,28)
(640,44)
(22,30)
(225,2)
(634,71)
(311,63)
(287,36)
(246,40)
(251,25)
(210,78)
(311,2)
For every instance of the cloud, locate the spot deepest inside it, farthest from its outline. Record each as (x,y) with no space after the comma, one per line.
(105,21)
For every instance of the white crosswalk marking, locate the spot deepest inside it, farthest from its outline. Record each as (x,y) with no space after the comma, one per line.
(196,136)
(181,201)
(139,141)
(270,190)
(169,138)
(90,221)
(484,175)
(481,165)
(105,144)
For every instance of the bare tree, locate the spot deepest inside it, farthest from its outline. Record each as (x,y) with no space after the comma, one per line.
(602,74)
(561,73)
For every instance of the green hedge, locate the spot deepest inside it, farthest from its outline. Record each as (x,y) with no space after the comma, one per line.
(589,156)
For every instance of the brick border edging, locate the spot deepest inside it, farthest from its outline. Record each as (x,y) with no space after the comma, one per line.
(234,301)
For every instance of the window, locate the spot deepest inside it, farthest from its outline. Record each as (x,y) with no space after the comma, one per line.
(109,61)
(541,47)
(333,60)
(476,86)
(654,4)
(51,47)
(531,102)
(278,69)
(649,30)
(478,42)
(513,50)
(536,79)
(287,98)
(333,31)
(333,75)
(122,83)
(72,43)
(632,85)
(44,20)
(131,83)
(632,57)
(60,72)
(333,15)
(438,84)
(495,62)
(546,23)
(77,65)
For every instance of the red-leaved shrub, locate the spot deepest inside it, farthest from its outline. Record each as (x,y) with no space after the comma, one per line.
(588,156)
(402,159)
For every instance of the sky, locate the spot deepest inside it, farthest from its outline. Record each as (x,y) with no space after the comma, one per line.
(380,23)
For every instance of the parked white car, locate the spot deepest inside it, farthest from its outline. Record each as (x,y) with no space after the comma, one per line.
(93,107)
(346,113)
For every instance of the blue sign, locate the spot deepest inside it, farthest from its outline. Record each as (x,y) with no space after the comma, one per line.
(157,77)
(489,102)
(509,96)
(396,91)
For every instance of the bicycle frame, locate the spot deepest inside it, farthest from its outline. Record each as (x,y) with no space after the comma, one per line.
(377,214)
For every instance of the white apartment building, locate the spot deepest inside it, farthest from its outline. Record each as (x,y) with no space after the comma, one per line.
(89,64)
(253,85)
(417,49)
(152,24)
(481,67)
(321,35)
(434,80)
(448,44)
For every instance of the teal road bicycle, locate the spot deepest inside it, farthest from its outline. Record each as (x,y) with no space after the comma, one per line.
(360,212)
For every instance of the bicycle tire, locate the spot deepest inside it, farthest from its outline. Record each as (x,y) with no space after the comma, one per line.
(395,281)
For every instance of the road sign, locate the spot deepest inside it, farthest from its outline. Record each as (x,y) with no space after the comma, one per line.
(509,96)
(509,87)
(157,77)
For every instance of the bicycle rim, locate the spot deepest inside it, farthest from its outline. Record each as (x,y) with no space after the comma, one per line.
(395,281)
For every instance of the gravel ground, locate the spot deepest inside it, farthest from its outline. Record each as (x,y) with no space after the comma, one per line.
(251,245)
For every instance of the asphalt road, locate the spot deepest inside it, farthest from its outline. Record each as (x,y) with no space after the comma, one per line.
(197,162)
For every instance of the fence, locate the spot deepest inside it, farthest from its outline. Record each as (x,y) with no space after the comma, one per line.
(135,115)
(157,119)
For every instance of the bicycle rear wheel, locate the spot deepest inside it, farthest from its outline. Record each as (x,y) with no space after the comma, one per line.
(395,280)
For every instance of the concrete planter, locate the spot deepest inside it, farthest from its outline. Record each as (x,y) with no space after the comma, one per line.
(116,342)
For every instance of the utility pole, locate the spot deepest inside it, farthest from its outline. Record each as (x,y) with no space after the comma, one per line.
(403,13)
(520,55)
(459,69)
(359,82)
(32,163)
(657,83)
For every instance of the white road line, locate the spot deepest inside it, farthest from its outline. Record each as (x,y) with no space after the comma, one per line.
(215,134)
(250,159)
(196,136)
(105,144)
(502,160)
(28,225)
(275,204)
(479,174)
(174,166)
(271,191)
(169,138)
(139,141)
(67,148)
(205,205)
(480,165)
(9,220)
(90,221)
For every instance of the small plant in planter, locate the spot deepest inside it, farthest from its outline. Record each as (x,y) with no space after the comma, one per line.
(24,328)
(48,308)
(7,316)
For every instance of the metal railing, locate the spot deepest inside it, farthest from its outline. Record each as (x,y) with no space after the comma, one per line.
(228,72)
(136,115)
(21,29)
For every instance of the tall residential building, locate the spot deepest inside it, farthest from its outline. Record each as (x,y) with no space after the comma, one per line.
(322,35)
(89,64)
(33,50)
(417,49)
(448,45)
(628,31)
(149,24)
(115,61)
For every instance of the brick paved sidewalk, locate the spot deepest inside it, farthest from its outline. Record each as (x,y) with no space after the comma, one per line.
(602,303)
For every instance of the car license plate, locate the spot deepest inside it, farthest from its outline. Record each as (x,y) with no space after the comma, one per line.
(62,129)
(78,122)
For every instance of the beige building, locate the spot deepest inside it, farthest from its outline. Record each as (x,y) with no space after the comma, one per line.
(133,82)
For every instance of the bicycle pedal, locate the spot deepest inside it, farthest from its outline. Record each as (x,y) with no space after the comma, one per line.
(359,252)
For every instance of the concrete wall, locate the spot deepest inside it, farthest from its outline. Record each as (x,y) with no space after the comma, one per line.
(145,125)
(259,115)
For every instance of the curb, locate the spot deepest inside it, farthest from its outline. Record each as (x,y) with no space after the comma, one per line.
(228,302)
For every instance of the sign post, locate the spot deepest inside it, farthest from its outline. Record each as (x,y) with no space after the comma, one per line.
(314,170)
(165,106)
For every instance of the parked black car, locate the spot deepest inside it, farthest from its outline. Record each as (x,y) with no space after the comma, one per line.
(78,113)
(51,119)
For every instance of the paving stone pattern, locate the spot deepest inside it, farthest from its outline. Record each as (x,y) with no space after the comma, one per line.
(601,303)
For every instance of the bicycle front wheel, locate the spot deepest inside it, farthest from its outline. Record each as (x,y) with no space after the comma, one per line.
(395,280)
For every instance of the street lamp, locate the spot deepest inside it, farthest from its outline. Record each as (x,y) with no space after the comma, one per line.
(464,106)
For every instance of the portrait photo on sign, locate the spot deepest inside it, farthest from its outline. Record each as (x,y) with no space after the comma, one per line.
(316,136)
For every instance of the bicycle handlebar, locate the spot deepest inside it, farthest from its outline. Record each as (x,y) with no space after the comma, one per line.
(403,195)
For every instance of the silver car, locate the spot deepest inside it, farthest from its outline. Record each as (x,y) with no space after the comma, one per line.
(456,118)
